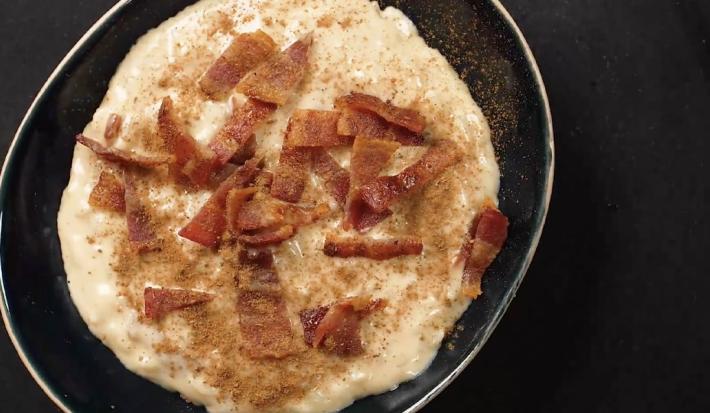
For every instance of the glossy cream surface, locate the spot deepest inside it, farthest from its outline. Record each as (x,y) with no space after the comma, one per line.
(357,47)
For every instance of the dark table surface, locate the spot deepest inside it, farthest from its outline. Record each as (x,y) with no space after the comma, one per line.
(613,314)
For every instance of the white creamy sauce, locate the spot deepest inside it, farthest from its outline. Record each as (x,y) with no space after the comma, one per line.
(374,48)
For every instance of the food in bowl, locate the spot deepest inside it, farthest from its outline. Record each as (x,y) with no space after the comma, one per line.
(280,205)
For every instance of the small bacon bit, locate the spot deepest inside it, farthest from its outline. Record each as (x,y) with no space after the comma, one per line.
(109,193)
(161,301)
(335,178)
(236,199)
(385,190)
(407,118)
(141,234)
(206,228)
(376,249)
(246,52)
(368,158)
(239,128)
(310,318)
(113,127)
(120,156)
(315,128)
(191,160)
(487,235)
(291,174)
(269,237)
(336,328)
(370,125)
(274,80)
(263,316)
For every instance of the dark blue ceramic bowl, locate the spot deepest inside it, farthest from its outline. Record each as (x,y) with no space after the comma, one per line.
(81,375)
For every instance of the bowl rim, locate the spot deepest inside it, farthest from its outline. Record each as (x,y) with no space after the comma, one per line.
(94,30)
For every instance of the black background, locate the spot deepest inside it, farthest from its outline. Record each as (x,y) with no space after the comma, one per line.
(614,313)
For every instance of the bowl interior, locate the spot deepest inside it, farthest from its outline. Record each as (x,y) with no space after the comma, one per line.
(83,375)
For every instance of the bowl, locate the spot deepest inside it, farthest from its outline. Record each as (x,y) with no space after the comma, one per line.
(79,374)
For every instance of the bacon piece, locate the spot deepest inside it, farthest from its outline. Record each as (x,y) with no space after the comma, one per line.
(263,316)
(385,190)
(206,228)
(113,127)
(361,217)
(264,212)
(368,158)
(268,237)
(263,181)
(120,156)
(376,249)
(291,174)
(274,80)
(161,301)
(236,198)
(239,128)
(315,128)
(191,160)
(335,178)
(407,118)
(367,124)
(310,318)
(336,328)
(246,152)
(108,193)
(486,237)
(246,52)
(141,233)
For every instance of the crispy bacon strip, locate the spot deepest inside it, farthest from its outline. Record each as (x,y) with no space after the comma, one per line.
(291,174)
(263,316)
(406,118)
(239,128)
(336,328)
(368,158)
(236,199)
(274,80)
(376,249)
(268,237)
(108,193)
(487,235)
(335,178)
(113,127)
(264,212)
(141,233)
(246,52)
(206,228)
(315,128)
(385,190)
(191,160)
(120,156)
(367,124)
(161,301)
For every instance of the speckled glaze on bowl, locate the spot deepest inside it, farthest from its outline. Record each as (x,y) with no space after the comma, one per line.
(79,374)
